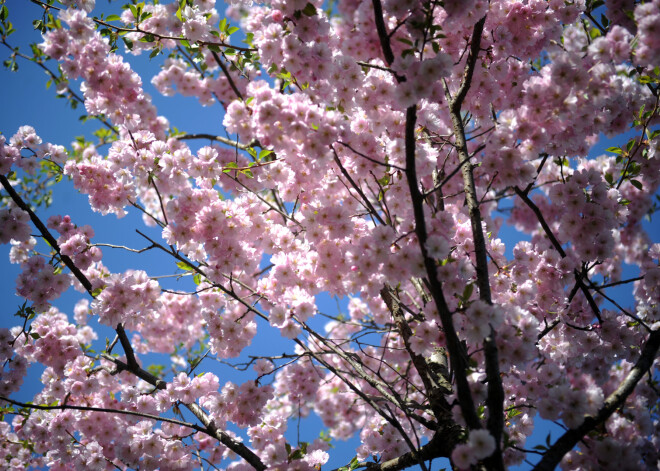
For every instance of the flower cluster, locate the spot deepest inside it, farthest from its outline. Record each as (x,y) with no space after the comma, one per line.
(40,282)
(362,163)
(480,444)
(74,241)
(126,297)
(14,225)
(647,20)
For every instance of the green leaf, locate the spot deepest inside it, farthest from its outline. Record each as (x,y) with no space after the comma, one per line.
(264,153)
(513,412)
(229,167)
(232,29)
(197,278)
(467,292)
(39,25)
(604,20)
(637,184)
(128,42)
(614,150)
(184,266)
(223,25)
(296,455)
(135,10)
(309,10)
(113,18)
(385,180)
(4,13)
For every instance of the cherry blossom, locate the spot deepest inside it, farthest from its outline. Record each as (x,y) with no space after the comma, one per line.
(373,152)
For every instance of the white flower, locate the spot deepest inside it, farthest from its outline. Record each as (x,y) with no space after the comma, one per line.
(316,458)
(482,443)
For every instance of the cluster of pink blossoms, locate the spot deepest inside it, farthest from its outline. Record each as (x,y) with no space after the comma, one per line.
(14,225)
(40,282)
(12,367)
(110,87)
(126,297)
(74,241)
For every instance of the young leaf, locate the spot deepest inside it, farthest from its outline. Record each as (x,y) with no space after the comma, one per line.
(309,10)
(184,266)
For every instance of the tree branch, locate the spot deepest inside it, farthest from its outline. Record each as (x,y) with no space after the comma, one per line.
(382,34)
(495,399)
(555,243)
(227,74)
(357,188)
(212,137)
(615,400)
(131,364)
(457,355)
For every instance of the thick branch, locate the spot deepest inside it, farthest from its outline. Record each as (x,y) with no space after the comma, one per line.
(567,441)
(439,446)
(382,33)
(128,349)
(457,101)
(436,389)
(457,355)
(231,443)
(46,234)
(495,400)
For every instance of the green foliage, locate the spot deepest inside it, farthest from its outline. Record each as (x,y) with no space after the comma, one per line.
(354,464)
(157,370)
(25,312)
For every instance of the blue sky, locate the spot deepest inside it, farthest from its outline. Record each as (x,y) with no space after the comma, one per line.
(26,100)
